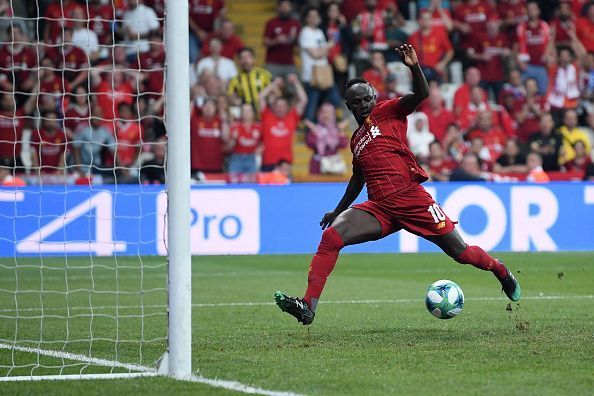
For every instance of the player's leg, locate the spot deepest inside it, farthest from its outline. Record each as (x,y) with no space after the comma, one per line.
(455,247)
(350,227)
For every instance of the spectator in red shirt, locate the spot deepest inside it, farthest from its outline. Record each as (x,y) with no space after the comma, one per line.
(17,60)
(512,13)
(77,113)
(441,16)
(585,28)
(472,78)
(128,134)
(439,117)
(377,74)
(528,111)
(101,18)
(280,38)
(152,65)
(534,46)
(440,166)
(12,123)
(433,46)
(469,20)
(279,122)
(563,23)
(493,136)
(369,30)
(52,87)
(208,132)
(203,14)
(230,41)
(352,8)
(71,59)
(245,143)
(492,48)
(49,145)
(111,91)
(56,18)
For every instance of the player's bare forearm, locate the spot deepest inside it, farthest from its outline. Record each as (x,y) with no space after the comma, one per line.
(420,89)
(352,192)
(356,184)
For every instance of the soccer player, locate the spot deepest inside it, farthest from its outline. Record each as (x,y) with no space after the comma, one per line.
(396,200)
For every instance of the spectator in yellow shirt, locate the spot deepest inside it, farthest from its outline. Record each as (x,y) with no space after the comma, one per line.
(572,133)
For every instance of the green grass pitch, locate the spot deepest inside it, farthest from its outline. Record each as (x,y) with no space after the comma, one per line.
(372,334)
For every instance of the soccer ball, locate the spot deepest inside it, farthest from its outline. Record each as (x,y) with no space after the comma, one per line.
(444,299)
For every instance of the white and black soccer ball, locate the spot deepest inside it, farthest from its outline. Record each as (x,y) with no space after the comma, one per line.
(444,299)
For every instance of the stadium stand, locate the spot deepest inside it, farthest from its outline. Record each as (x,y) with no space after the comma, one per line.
(522,63)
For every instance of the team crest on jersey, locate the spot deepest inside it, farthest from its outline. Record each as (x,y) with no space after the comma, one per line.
(375,132)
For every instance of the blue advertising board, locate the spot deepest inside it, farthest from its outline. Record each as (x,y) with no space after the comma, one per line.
(248,219)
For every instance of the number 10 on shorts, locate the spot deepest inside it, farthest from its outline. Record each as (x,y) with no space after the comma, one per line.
(437,213)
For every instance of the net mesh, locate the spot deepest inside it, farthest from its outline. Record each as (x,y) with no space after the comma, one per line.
(82,154)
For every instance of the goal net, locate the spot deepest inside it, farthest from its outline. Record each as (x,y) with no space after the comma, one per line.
(82,189)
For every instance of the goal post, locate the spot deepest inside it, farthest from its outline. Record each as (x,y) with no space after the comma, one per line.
(178,178)
(85,289)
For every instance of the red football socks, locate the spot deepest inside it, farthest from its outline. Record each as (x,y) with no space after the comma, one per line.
(478,258)
(322,265)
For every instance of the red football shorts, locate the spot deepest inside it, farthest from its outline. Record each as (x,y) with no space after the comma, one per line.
(413,209)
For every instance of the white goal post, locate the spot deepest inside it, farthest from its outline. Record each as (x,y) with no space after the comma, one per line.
(178,176)
(78,301)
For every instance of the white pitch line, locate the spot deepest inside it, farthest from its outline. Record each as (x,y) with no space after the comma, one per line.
(77,357)
(63,377)
(261,304)
(141,371)
(239,387)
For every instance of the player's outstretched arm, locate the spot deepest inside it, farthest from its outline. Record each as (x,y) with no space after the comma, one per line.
(420,92)
(352,192)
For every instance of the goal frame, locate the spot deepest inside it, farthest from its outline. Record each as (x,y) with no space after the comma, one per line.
(176,361)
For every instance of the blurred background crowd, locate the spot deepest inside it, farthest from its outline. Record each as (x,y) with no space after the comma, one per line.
(82,83)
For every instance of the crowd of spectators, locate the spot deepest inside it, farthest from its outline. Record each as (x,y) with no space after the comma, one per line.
(82,88)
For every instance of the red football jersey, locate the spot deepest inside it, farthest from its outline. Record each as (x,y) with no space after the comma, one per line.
(11,133)
(109,97)
(380,150)
(205,12)
(75,117)
(277,135)
(246,139)
(432,47)
(533,41)
(492,70)
(128,136)
(100,21)
(70,58)
(20,62)
(206,144)
(55,89)
(49,148)
(59,16)
(531,123)
(475,16)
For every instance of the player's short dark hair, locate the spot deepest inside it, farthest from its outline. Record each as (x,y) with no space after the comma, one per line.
(353,81)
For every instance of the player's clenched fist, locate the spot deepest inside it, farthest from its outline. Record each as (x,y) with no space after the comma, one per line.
(408,55)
